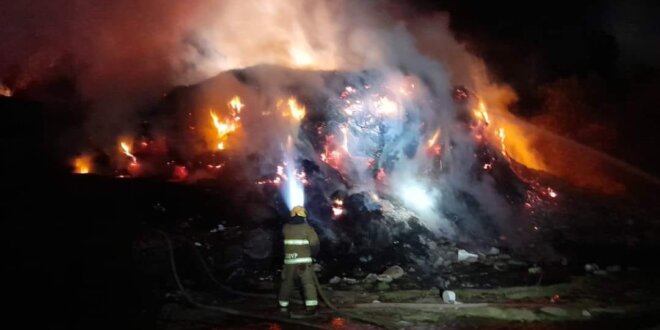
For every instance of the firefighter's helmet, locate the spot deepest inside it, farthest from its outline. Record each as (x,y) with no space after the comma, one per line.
(299,211)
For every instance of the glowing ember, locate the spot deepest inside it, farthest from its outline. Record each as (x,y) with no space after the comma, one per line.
(274,326)
(552,193)
(82,164)
(338,323)
(5,91)
(127,151)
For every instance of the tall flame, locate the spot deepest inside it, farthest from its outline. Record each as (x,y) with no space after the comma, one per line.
(127,151)
(223,128)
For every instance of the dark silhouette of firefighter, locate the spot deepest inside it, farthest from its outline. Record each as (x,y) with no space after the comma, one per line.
(300,244)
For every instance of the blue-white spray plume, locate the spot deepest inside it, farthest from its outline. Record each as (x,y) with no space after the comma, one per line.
(293,190)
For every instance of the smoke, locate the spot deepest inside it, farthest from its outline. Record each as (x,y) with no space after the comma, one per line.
(126,54)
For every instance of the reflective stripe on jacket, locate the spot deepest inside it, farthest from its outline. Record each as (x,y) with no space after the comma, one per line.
(300,242)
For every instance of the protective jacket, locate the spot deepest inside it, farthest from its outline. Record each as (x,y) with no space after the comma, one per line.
(300,244)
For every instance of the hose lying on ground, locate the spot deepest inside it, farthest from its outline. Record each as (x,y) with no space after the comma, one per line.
(257,295)
(225,310)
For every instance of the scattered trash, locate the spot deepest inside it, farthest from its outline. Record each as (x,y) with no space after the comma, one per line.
(317,267)
(199,244)
(384,278)
(493,251)
(465,256)
(600,272)
(500,266)
(586,313)
(376,302)
(449,297)
(394,272)
(555,299)
(590,268)
(349,280)
(217,229)
(371,278)
(364,259)
(535,270)
(335,280)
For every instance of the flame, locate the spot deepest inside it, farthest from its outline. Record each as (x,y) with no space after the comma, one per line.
(484,112)
(433,139)
(294,109)
(223,128)
(502,136)
(127,151)
(82,164)
(301,58)
(236,105)
(337,207)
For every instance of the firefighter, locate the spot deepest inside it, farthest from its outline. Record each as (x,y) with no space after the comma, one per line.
(300,244)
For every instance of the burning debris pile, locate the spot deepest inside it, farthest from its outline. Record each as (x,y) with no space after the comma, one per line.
(374,156)
(358,117)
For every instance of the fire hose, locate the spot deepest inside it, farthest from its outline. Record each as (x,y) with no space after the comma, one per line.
(252,295)
(225,310)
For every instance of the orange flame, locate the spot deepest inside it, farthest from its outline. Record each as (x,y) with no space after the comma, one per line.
(294,109)
(502,137)
(82,164)
(223,128)
(236,105)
